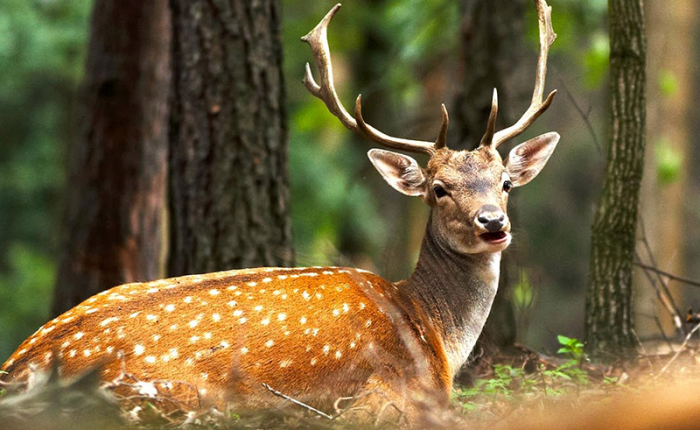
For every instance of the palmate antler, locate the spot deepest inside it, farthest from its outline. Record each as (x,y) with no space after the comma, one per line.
(318,41)
(537,106)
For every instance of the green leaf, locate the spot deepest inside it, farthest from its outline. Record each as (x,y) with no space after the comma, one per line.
(597,60)
(669,162)
(668,83)
(563,340)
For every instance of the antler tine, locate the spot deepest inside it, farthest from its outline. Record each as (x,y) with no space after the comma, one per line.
(491,126)
(537,106)
(318,41)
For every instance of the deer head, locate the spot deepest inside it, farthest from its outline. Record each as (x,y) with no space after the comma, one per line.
(467,190)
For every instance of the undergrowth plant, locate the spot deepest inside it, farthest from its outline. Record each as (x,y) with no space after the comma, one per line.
(514,383)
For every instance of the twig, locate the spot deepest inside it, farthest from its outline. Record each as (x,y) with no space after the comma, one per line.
(685,343)
(661,330)
(297,402)
(584,115)
(662,282)
(664,296)
(670,276)
(644,351)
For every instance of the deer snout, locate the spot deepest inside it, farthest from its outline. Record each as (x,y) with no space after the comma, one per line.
(491,218)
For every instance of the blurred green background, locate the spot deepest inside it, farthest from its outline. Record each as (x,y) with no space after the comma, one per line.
(343,213)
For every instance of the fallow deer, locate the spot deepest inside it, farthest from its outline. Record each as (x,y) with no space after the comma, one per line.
(323,333)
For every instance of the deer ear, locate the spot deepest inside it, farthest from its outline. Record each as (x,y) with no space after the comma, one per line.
(400,171)
(526,160)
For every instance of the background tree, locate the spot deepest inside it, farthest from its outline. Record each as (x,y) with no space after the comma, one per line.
(229,188)
(609,299)
(491,50)
(114,216)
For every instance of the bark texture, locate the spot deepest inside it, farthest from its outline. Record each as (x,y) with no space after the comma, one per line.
(229,188)
(491,50)
(608,302)
(114,218)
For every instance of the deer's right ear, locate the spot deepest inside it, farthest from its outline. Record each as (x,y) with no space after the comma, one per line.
(400,171)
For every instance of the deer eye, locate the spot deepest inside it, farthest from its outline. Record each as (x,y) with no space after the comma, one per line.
(507,186)
(439,191)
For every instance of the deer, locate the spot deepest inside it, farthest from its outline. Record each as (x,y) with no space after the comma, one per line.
(256,338)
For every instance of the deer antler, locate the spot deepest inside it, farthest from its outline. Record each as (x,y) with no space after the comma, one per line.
(318,41)
(537,106)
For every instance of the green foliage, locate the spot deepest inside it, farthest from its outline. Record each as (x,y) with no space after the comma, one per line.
(597,60)
(513,383)
(26,289)
(571,347)
(523,293)
(668,83)
(669,162)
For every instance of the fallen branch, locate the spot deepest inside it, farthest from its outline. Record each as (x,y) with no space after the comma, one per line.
(685,343)
(297,402)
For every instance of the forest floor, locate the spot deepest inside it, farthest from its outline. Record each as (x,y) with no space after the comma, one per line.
(523,391)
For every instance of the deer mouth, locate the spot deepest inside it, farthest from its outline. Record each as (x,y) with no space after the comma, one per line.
(494,238)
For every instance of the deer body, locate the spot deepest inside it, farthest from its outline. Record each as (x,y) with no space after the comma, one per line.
(316,334)
(324,333)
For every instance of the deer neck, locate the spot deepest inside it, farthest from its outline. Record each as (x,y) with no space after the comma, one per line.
(455,292)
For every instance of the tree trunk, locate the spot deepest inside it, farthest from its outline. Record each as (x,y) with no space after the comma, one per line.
(491,35)
(229,188)
(608,302)
(114,219)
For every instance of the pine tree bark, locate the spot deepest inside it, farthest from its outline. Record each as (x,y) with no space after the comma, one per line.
(115,206)
(229,188)
(491,44)
(608,303)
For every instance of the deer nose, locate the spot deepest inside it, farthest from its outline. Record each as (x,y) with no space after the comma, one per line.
(491,218)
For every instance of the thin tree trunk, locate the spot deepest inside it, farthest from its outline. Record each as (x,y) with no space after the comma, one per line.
(115,214)
(491,35)
(608,302)
(229,188)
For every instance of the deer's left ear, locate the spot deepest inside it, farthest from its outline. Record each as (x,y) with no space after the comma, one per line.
(400,171)
(526,160)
